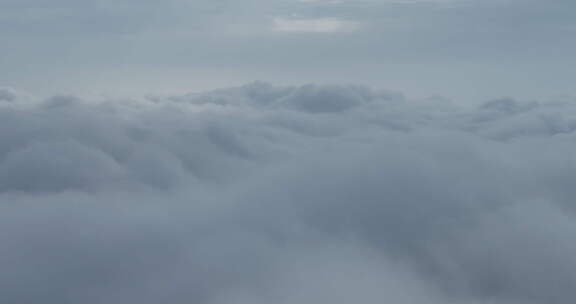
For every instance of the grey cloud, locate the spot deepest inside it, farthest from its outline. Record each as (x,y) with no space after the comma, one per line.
(307,98)
(7,95)
(309,194)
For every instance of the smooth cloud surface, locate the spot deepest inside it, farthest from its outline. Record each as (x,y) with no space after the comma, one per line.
(265,194)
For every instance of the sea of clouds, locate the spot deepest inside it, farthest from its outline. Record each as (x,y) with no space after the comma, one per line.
(263,194)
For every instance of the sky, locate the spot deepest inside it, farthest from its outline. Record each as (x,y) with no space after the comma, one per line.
(287,152)
(463,49)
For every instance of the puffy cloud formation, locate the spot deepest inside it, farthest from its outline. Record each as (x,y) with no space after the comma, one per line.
(265,194)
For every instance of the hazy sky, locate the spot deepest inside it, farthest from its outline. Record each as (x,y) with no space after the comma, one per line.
(457,48)
(295,189)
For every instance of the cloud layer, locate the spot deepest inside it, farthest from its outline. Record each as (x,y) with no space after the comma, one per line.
(266,194)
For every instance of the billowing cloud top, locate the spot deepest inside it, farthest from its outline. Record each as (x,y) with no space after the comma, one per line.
(269,194)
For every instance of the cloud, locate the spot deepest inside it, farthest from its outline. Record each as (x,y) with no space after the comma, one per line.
(318,25)
(387,1)
(7,95)
(294,194)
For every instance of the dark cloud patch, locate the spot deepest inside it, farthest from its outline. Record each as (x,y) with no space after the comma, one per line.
(314,99)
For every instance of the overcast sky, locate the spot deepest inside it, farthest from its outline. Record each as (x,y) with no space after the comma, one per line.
(475,49)
(295,189)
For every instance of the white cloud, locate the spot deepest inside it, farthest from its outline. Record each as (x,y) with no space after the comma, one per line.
(321,1)
(389,1)
(318,25)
